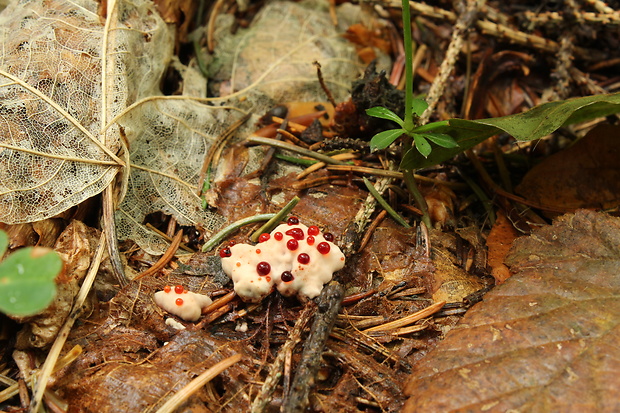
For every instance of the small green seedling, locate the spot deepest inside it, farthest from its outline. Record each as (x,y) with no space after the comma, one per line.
(420,134)
(27,276)
(456,135)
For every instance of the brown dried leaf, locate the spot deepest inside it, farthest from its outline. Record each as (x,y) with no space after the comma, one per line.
(586,175)
(134,380)
(546,339)
(499,241)
(76,246)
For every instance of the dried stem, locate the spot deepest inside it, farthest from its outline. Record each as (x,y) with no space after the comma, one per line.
(328,307)
(63,333)
(275,370)
(463,24)
(193,386)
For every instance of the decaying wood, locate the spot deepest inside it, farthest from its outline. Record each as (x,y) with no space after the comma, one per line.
(305,375)
(275,370)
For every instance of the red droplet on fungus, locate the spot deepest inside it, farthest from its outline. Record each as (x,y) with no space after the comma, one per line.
(263,268)
(292,244)
(313,230)
(178,289)
(179,301)
(323,248)
(258,251)
(225,252)
(231,243)
(167,289)
(310,240)
(296,233)
(287,276)
(264,237)
(328,237)
(293,221)
(303,258)
(278,236)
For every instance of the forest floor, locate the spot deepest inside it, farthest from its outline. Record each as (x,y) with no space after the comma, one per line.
(507,302)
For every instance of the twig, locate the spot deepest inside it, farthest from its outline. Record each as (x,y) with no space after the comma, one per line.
(463,23)
(166,237)
(371,228)
(67,359)
(312,182)
(109,226)
(364,213)
(193,386)
(316,166)
(220,302)
(410,319)
(394,174)
(293,148)
(505,32)
(305,376)
(275,370)
(63,333)
(291,137)
(216,148)
(328,93)
(164,259)
(211,25)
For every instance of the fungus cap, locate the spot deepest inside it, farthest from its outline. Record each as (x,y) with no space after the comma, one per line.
(303,277)
(187,305)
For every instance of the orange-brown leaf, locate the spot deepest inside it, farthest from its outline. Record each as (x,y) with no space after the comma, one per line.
(546,339)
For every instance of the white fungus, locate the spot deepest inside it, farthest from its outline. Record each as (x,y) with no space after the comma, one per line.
(293,258)
(180,302)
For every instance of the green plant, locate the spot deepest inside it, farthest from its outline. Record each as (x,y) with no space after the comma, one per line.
(416,137)
(457,135)
(27,279)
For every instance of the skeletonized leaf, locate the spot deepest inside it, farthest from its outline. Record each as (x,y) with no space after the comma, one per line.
(546,339)
(62,75)
(169,145)
(273,59)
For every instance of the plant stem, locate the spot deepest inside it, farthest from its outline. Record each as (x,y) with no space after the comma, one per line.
(219,237)
(408,124)
(385,205)
(408,176)
(277,218)
(412,187)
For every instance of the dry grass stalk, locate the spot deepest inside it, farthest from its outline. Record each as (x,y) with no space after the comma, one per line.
(411,318)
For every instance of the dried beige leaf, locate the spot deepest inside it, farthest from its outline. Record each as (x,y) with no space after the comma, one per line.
(63,75)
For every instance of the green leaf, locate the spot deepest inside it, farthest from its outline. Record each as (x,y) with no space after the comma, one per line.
(384,113)
(418,106)
(4,243)
(27,281)
(383,139)
(533,124)
(442,139)
(430,127)
(422,144)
